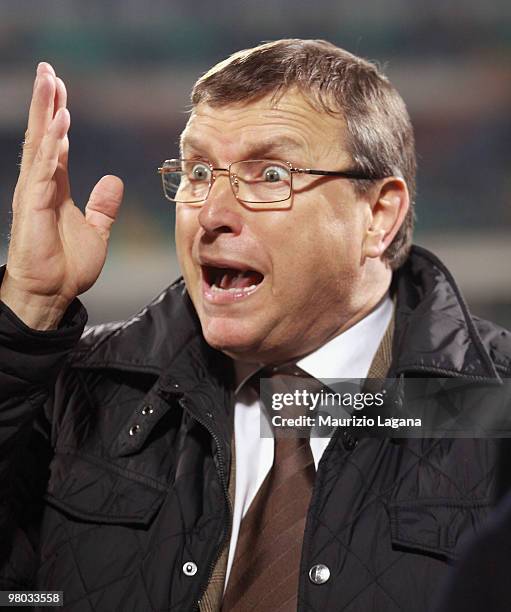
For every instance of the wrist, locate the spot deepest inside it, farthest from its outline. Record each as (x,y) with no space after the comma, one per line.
(39,312)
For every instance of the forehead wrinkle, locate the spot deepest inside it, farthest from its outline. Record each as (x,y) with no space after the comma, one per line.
(248,145)
(242,127)
(275,145)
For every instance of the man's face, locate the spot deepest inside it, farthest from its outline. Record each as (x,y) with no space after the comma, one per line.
(272,285)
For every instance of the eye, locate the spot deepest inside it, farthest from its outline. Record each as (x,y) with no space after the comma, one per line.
(274,174)
(200,172)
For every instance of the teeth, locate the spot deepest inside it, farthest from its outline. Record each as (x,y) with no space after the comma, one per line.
(224,281)
(217,289)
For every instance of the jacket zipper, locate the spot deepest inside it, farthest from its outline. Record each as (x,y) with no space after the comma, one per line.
(223,481)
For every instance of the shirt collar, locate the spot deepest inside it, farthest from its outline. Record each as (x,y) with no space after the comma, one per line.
(348,355)
(243,371)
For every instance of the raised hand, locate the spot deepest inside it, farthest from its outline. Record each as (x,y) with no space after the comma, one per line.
(56,252)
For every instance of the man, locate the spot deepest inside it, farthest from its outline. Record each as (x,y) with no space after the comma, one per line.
(293,190)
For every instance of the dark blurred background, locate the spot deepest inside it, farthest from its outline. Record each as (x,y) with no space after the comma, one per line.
(129,66)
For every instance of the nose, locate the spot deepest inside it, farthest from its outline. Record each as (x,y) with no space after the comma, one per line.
(221,213)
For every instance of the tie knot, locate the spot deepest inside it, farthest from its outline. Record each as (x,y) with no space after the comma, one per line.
(283,391)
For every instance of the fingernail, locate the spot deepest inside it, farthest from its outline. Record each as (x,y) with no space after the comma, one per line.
(45,67)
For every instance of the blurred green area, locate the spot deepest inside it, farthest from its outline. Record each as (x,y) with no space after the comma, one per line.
(129,67)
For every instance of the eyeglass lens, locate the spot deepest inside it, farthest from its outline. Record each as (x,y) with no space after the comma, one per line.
(253,181)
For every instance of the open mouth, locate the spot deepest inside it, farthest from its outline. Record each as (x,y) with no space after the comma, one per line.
(230,280)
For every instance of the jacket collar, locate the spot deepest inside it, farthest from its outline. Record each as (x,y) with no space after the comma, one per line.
(434,332)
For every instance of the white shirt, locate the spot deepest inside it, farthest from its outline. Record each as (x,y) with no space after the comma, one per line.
(348,355)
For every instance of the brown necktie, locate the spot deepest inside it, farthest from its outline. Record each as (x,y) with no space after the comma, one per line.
(265,570)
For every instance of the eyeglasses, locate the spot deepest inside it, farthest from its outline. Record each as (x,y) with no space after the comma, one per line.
(257,182)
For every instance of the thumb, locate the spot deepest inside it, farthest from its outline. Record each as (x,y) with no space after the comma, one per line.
(103,205)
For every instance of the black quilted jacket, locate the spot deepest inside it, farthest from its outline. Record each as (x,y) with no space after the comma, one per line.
(115,451)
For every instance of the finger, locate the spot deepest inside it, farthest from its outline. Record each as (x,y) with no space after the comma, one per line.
(60,95)
(45,67)
(61,174)
(104,203)
(46,159)
(64,152)
(39,118)
(61,102)
(60,99)
(39,113)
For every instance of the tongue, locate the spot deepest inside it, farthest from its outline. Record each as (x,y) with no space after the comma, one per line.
(235,279)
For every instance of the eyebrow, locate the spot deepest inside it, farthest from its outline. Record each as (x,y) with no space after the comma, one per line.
(253,151)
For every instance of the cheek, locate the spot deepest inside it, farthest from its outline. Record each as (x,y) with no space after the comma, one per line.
(187,226)
(343,229)
(315,250)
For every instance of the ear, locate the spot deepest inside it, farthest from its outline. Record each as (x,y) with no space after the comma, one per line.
(391,203)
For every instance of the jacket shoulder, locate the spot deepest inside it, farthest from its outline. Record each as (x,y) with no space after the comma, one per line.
(146,341)
(497,341)
(95,335)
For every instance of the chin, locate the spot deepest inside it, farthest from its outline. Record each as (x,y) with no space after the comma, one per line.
(232,337)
